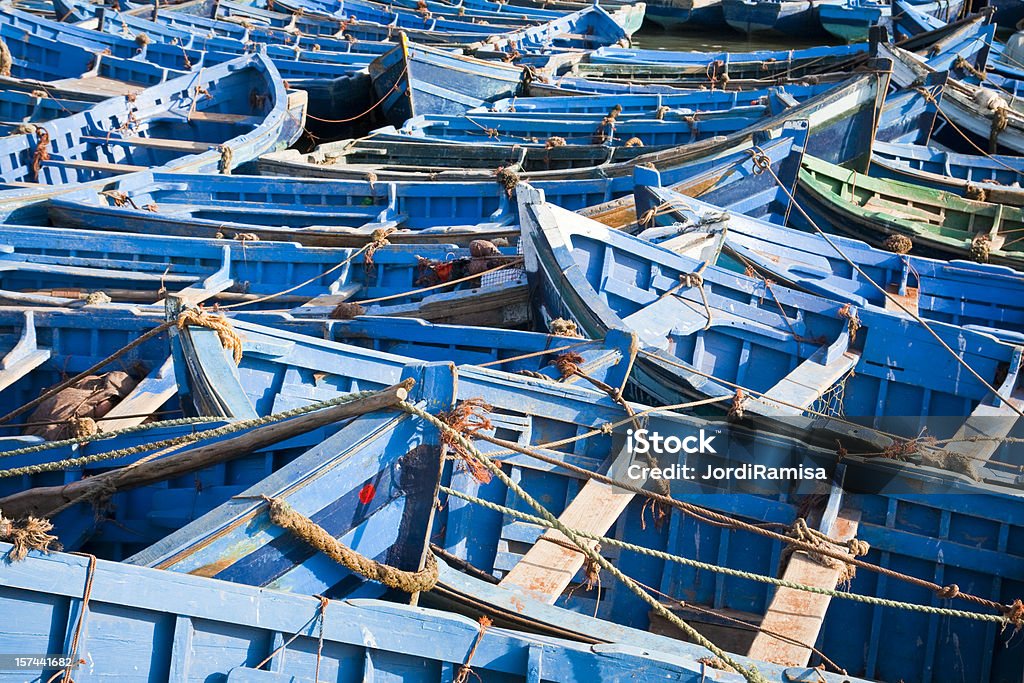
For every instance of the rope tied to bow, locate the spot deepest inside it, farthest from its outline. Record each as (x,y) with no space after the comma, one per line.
(735,411)
(31,533)
(6,61)
(981,247)
(508,179)
(562,327)
(568,363)
(464,671)
(634,142)
(227,155)
(898,244)
(465,420)
(849,313)
(219,323)
(41,153)
(289,519)
(378,240)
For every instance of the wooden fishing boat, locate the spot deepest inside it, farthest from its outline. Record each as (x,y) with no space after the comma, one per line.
(416,79)
(650,103)
(851,21)
(760,64)
(673,129)
(202,121)
(671,14)
(785,17)
(911,19)
(135,518)
(978,112)
(996,178)
(770,349)
(63,267)
(958,292)
(311,212)
(41,347)
(938,222)
(839,120)
(739,181)
(552,598)
(371,637)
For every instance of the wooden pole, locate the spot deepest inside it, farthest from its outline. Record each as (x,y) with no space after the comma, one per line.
(46,500)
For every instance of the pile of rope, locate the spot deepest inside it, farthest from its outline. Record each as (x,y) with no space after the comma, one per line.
(898,244)
(466,419)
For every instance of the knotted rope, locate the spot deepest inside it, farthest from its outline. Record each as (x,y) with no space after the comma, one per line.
(27,534)
(217,322)
(898,244)
(42,152)
(563,327)
(6,61)
(980,248)
(849,313)
(466,419)
(284,516)
(464,671)
(226,158)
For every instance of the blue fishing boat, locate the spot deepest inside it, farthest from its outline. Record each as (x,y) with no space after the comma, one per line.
(785,17)
(708,332)
(504,543)
(839,120)
(310,211)
(909,19)
(215,119)
(672,129)
(982,296)
(671,14)
(651,103)
(63,267)
(994,178)
(41,347)
(760,64)
(416,79)
(851,21)
(131,520)
(275,634)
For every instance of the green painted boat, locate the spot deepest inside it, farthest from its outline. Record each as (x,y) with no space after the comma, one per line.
(938,223)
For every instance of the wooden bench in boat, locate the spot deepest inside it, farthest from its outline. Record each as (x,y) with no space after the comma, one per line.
(812,378)
(156,389)
(800,614)
(25,357)
(547,568)
(155,143)
(101,166)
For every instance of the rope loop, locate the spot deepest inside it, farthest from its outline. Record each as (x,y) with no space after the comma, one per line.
(219,323)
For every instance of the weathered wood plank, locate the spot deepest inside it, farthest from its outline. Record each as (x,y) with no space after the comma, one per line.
(548,567)
(800,614)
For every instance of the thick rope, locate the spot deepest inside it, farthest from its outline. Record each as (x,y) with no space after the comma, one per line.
(729,571)
(219,323)
(751,674)
(314,535)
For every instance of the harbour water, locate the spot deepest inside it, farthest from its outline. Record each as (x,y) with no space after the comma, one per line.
(651,37)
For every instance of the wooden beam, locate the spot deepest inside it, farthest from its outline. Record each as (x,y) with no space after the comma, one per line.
(43,501)
(799,614)
(548,567)
(153,391)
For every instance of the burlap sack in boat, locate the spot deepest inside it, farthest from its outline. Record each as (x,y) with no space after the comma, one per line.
(91,397)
